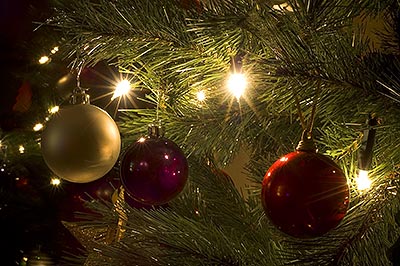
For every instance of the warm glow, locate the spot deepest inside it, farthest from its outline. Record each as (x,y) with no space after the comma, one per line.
(237,83)
(55,181)
(54,109)
(54,50)
(44,59)
(363,181)
(121,89)
(201,96)
(38,127)
(21,149)
(283,6)
(142,139)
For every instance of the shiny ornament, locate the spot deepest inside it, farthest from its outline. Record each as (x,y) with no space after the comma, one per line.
(81,143)
(154,170)
(76,196)
(305,194)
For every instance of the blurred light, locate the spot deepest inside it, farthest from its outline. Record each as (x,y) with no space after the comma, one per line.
(283,6)
(55,181)
(25,259)
(237,83)
(54,50)
(142,139)
(122,88)
(44,59)
(201,96)
(363,181)
(54,109)
(38,127)
(21,149)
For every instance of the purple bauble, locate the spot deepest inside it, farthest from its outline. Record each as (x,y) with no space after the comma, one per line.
(154,170)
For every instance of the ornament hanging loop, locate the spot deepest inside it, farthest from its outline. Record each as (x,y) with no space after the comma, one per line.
(79,95)
(307,143)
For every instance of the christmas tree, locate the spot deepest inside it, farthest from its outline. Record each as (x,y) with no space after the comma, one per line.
(305,93)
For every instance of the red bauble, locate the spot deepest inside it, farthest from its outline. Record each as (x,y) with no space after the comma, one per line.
(305,194)
(154,170)
(77,194)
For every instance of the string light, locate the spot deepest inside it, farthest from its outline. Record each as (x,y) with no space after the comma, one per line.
(237,81)
(283,6)
(44,59)
(54,109)
(123,87)
(363,181)
(365,154)
(237,84)
(21,149)
(54,50)
(201,96)
(38,127)
(55,181)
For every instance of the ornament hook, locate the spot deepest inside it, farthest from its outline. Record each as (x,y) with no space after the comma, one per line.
(79,95)
(306,143)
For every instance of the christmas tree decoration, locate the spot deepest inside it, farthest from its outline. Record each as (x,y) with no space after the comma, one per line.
(123,87)
(237,81)
(77,195)
(37,258)
(81,143)
(304,193)
(154,170)
(365,155)
(91,239)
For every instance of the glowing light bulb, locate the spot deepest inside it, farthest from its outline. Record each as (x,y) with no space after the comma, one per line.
(201,96)
(54,50)
(237,84)
(283,6)
(122,88)
(363,181)
(54,109)
(55,181)
(21,149)
(44,59)
(142,139)
(38,127)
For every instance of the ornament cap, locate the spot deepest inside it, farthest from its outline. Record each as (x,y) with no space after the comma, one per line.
(79,96)
(155,130)
(306,143)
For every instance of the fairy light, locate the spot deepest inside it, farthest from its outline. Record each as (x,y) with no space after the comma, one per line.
(142,139)
(54,50)
(55,181)
(21,149)
(44,59)
(237,81)
(201,95)
(283,6)
(38,127)
(237,84)
(122,88)
(363,181)
(54,109)
(365,154)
